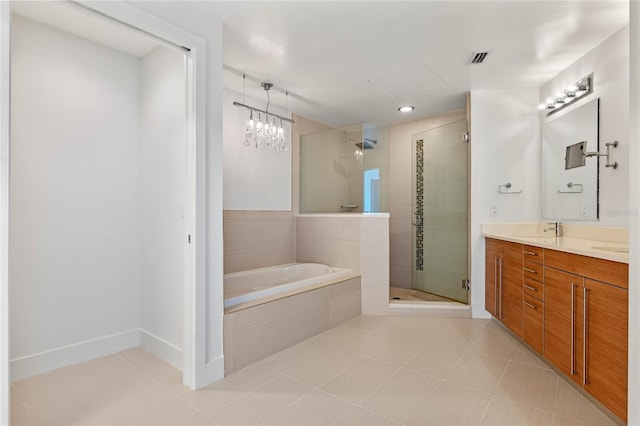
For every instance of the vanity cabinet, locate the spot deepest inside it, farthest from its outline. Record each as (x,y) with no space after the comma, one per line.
(572,309)
(586,323)
(503,282)
(533,297)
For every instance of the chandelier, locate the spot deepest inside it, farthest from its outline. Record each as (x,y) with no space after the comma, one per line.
(263,130)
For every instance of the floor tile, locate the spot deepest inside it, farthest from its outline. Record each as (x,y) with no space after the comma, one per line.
(533,386)
(136,356)
(321,369)
(503,412)
(571,405)
(495,343)
(435,359)
(480,372)
(523,355)
(211,399)
(357,382)
(316,408)
(396,350)
(397,397)
(256,406)
(450,404)
(358,416)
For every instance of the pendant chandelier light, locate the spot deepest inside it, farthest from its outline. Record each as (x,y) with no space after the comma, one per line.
(267,133)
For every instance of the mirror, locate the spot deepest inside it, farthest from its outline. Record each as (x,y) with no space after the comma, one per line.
(569,188)
(344,170)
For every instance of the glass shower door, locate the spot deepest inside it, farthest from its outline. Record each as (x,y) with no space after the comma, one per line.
(440,206)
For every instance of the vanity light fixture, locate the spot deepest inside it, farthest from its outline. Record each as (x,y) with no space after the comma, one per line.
(406,108)
(566,97)
(265,134)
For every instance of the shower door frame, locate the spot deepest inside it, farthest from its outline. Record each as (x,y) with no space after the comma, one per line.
(466,139)
(196,371)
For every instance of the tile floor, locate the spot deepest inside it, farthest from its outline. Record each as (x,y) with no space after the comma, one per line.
(367,371)
(415,295)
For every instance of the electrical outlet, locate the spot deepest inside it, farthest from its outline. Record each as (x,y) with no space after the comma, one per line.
(493,210)
(584,210)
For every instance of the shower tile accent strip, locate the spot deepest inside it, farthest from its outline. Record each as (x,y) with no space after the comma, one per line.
(419,204)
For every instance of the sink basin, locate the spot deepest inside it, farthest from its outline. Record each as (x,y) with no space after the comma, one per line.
(613,249)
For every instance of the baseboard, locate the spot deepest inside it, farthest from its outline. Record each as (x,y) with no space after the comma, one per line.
(214,371)
(478,311)
(161,348)
(42,362)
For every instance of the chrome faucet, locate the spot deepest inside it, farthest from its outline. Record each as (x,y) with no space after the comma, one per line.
(554,226)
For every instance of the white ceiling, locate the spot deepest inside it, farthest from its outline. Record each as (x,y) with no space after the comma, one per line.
(349,62)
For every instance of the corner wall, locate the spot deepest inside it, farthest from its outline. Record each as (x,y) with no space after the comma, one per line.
(505,147)
(74,246)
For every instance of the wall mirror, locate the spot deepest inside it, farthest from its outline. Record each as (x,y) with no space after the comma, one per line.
(570,193)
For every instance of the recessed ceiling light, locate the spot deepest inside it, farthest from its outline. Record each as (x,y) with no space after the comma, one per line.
(406,108)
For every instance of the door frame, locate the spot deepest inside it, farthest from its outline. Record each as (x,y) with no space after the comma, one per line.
(194,242)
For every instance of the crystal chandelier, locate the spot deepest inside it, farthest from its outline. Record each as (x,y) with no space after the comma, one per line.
(267,133)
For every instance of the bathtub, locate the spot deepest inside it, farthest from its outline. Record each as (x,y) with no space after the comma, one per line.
(247,286)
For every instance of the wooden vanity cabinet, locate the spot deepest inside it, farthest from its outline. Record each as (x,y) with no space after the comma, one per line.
(586,323)
(503,282)
(533,297)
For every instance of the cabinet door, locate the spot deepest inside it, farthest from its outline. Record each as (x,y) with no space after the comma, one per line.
(606,327)
(533,328)
(492,257)
(563,328)
(512,292)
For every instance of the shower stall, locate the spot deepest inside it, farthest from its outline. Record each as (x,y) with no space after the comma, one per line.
(441,212)
(345,169)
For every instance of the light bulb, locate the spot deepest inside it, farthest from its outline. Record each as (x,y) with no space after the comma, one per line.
(542,106)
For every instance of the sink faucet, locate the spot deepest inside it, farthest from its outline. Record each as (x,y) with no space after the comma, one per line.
(554,226)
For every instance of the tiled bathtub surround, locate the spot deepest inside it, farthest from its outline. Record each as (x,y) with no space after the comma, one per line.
(255,333)
(256,239)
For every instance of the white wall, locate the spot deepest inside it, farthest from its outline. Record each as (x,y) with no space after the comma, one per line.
(162,183)
(208,236)
(254,178)
(74,246)
(609,63)
(634,224)
(505,147)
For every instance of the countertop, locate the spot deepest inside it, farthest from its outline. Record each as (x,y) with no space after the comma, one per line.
(616,252)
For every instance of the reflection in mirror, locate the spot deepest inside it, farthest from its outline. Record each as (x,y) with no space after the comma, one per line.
(570,193)
(344,170)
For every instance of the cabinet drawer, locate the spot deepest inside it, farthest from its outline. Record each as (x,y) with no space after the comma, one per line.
(608,271)
(533,327)
(533,271)
(533,254)
(533,288)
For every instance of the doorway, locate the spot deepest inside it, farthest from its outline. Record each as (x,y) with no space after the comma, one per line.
(440,237)
(98,183)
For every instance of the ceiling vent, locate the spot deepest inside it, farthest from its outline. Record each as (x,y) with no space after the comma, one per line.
(478,57)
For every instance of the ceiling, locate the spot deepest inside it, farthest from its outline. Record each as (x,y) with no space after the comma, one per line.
(358,61)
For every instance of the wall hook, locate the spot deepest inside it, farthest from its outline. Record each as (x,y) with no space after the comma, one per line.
(507,190)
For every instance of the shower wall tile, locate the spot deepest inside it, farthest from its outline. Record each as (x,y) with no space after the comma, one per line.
(257,239)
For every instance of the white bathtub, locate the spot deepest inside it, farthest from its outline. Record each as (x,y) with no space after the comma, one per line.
(246,286)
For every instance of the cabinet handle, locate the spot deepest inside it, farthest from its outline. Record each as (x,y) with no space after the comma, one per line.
(500,276)
(529,305)
(529,287)
(495,285)
(530,253)
(573,339)
(585,332)
(531,271)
